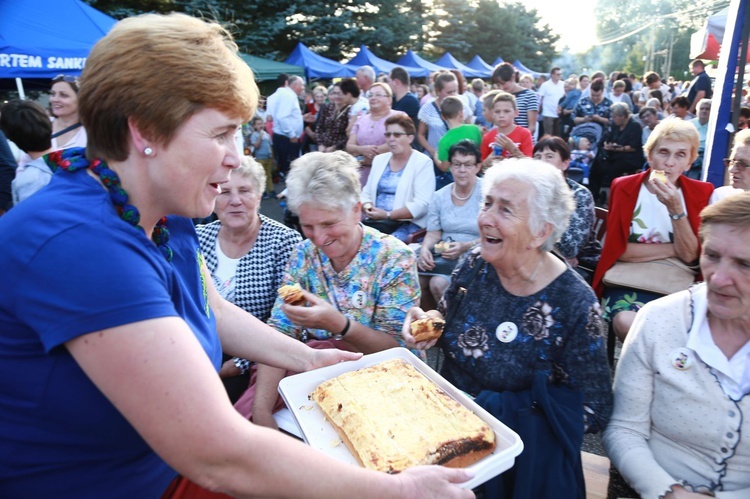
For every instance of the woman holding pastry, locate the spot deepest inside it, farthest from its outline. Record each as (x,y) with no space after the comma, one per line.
(112,331)
(451,226)
(246,254)
(679,428)
(357,283)
(514,311)
(654,216)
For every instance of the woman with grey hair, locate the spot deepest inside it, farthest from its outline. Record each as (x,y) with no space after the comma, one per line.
(358,283)
(246,254)
(514,310)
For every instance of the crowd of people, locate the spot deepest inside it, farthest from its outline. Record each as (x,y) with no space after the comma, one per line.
(140,275)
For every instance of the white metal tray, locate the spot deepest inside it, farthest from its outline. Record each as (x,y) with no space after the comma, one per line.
(319,433)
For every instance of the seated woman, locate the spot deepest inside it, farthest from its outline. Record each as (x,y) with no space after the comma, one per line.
(402,182)
(358,283)
(679,428)
(578,244)
(652,220)
(451,219)
(738,163)
(246,254)
(516,312)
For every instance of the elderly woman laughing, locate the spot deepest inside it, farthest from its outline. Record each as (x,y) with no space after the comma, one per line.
(516,313)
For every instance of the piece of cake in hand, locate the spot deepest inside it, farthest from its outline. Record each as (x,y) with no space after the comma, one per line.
(391,417)
(292,294)
(659,176)
(427,329)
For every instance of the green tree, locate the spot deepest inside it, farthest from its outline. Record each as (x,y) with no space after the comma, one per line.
(642,35)
(513,32)
(452,28)
(120,9)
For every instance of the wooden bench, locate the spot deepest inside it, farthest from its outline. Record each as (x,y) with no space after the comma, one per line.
(596,475)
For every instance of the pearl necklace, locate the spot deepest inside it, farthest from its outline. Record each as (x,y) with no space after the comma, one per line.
(453,191)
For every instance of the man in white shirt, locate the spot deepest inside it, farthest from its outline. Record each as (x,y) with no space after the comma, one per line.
(284,110)
(550,94)
(365,78)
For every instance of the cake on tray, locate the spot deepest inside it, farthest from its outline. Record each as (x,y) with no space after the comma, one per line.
(391,417)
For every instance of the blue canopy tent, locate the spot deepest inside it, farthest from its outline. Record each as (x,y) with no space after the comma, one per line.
(366,58)
(448,61)
(499,60)
(517,64)
(412,59)
(44,38)
(317,66)
(478,64)
(723,119)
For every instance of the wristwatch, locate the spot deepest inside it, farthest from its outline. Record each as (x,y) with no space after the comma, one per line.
(388,215)
(677,217)
(340,336)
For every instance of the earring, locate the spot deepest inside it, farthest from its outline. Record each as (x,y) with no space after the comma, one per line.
(148,151)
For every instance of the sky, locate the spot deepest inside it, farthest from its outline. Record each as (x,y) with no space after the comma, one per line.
(573,21)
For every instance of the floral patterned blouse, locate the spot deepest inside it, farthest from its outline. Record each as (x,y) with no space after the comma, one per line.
(330,128)
(376,289)
(579,239)
(497,341)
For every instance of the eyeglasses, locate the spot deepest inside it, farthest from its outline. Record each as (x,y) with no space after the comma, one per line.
(736,163)
(388,135)
(335,93)
(465,166)
(375,96)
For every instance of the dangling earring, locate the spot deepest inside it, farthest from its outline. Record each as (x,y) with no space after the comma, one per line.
(148,151)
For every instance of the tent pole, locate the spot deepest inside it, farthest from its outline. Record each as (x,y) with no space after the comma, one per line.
(720,128)
(736,105)
(19,86)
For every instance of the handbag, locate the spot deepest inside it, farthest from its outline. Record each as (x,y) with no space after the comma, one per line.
(664,276)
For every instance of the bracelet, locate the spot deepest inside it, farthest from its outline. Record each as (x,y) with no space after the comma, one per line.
(388,215)
(346,330)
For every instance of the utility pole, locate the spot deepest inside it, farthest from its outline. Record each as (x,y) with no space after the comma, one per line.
(669,53)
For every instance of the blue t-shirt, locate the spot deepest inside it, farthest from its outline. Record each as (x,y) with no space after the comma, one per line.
(71,266)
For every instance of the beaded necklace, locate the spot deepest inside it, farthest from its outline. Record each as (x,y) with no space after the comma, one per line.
(74,159)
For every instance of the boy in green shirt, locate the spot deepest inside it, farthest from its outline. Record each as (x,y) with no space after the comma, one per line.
(453,114)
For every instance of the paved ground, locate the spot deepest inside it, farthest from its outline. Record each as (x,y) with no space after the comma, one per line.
(271,207)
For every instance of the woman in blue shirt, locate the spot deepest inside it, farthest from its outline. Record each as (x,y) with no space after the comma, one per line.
(111,331)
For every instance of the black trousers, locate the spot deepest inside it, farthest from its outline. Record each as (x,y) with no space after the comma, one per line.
(285,151)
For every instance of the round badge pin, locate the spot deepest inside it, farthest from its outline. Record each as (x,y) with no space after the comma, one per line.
(359,299)
(681,359)
(506,332)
